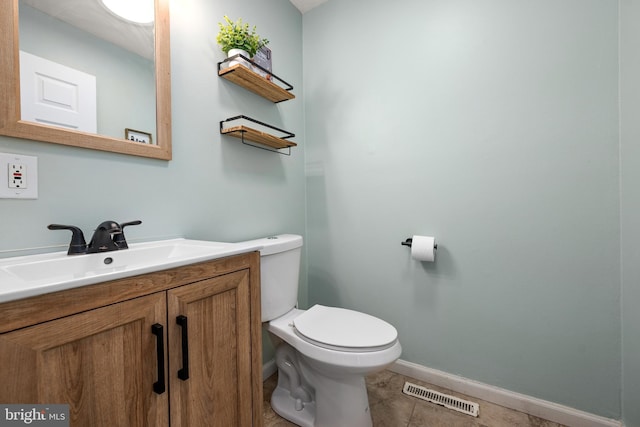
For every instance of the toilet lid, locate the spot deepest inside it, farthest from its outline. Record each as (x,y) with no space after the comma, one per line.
(340,327)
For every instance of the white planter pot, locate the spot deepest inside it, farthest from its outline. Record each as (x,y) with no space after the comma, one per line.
(240,61)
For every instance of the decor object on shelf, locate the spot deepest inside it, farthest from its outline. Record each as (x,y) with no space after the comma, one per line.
(262,62)
(237,56)
(238,35)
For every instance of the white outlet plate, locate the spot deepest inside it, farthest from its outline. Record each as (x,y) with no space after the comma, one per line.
(30,163)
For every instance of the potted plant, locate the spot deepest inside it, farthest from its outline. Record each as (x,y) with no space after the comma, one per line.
(237,38)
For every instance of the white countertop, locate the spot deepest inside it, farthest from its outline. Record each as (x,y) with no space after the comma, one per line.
(27,276)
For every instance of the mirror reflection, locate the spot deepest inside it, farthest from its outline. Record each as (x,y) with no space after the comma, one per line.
(85,68)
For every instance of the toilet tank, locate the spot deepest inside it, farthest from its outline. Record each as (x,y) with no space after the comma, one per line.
(279,274)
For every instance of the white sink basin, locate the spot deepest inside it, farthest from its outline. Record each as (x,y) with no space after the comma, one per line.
(32,275)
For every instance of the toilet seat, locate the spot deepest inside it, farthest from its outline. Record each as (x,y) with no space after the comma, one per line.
(344,330)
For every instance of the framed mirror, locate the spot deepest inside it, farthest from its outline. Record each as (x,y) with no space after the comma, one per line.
(145,142)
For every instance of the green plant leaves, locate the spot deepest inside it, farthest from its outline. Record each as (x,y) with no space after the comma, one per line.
(238,35)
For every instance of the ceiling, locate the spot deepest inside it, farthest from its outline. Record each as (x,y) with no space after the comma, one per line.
(306,5)
(91,16)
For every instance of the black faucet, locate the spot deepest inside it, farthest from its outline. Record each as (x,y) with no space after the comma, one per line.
(119,238)
(102,240)
(78,245)
(108,236)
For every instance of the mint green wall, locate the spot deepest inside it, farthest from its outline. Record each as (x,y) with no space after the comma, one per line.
(214,188)
(630,207)
(493,126)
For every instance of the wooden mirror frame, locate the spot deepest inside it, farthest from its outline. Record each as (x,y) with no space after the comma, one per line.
(11,123)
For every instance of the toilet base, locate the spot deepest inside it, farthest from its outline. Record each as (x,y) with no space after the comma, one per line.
(309,398)
(302,414)
(292,398)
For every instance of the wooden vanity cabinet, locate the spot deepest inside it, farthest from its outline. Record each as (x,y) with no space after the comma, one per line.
(216,389)
(98,361)
(102,348)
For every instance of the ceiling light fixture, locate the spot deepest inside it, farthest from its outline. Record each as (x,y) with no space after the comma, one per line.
(137,11)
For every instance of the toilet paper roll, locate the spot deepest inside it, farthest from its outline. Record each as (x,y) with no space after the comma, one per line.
(423,248)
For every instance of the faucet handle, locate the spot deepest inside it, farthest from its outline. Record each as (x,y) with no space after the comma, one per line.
(77,245)
(119,238)
(103,237)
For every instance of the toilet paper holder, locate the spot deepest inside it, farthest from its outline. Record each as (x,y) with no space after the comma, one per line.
(409,241)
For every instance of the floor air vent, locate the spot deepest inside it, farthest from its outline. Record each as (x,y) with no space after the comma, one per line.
(450,402)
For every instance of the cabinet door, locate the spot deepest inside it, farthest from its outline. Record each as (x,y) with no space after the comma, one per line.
(102,363)
(217,391)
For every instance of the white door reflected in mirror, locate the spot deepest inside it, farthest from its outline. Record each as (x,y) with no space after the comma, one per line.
(57,95)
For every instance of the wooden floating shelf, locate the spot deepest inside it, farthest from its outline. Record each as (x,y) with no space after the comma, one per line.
(254,82)
(250,134)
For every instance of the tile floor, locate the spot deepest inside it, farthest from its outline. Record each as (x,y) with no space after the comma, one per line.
(391,408)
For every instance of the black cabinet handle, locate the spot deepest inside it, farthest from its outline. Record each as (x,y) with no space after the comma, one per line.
(183,373)
(157,330)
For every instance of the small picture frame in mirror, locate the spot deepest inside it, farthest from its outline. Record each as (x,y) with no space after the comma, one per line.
(137,136)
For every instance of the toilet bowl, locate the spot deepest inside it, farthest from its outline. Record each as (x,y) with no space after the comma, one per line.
(324,353)
(333,376)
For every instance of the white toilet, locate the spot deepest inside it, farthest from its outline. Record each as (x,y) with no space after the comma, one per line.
(323,353)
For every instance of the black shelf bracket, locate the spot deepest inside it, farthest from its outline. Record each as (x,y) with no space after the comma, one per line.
(286,134)
(286,85)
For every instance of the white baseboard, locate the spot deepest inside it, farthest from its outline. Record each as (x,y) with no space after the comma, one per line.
(519,402)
